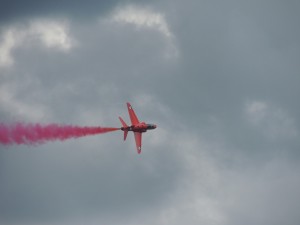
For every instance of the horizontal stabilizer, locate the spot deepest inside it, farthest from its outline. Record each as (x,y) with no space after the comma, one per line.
(125,126)
(123,122)
(125,134)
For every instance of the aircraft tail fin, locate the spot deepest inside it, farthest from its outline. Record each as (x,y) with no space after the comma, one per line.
(124,126)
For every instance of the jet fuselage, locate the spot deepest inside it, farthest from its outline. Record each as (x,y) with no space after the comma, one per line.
(141,127)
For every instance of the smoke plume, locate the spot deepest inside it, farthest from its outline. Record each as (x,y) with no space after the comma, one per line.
(20,133)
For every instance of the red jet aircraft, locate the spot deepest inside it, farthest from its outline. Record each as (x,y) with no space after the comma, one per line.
(136,126)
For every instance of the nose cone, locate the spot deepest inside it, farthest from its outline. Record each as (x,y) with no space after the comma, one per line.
(151,126)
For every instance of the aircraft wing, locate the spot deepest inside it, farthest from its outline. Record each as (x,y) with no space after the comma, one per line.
(138,141)
(133,117)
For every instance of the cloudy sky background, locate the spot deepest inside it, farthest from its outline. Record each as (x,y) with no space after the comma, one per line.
(219,78)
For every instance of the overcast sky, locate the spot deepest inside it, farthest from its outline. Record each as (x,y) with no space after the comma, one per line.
(219,78)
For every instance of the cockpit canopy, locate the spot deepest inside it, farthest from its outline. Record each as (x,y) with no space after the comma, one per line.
(151,126)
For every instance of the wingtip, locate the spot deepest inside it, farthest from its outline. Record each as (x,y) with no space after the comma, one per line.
(139,150)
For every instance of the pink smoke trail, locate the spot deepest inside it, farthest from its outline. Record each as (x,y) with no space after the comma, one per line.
(29,134)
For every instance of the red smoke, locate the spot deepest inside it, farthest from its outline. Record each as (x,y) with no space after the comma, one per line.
(20,133)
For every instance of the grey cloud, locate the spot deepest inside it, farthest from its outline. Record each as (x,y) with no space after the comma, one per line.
(206,162)
(265,195)
(16,10)
(228,59)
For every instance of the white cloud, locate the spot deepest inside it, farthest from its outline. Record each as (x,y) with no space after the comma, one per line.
(10,39)
(147,18)
(7,44)
(142,17)
(271,121)
(17,109)
(50,33)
